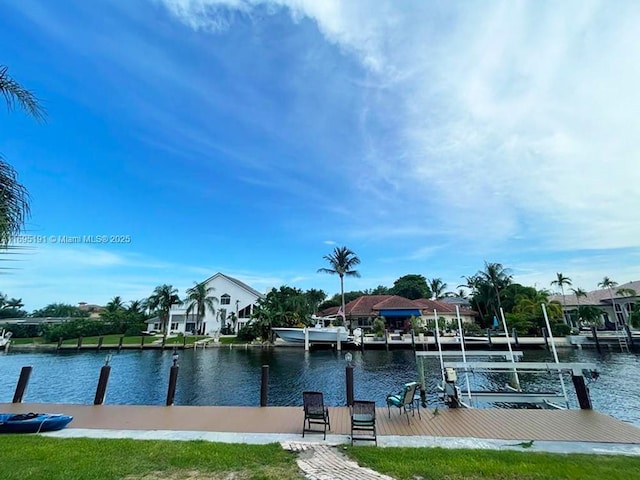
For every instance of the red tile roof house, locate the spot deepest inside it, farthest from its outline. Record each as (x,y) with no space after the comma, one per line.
(397,311)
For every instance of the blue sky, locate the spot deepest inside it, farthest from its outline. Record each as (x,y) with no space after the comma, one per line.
(251,137)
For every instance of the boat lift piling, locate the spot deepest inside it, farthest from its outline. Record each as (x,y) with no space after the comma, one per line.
(555,353)
(23,381)
(264,386)
(511,357)
(594,332)
(464,354)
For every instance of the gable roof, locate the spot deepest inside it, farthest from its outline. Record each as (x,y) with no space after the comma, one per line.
(237,282)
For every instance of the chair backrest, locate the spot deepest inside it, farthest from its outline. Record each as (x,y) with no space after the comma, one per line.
(363,408)
(313,402)
(409,393)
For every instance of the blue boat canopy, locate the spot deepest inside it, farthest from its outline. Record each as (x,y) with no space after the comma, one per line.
(400,312)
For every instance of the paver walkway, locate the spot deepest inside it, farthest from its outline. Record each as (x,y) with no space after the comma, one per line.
(323,462)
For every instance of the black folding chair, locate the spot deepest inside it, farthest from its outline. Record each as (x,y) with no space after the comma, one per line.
(363,421)
(315,413)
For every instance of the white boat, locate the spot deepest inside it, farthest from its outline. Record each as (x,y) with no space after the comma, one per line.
(5,338)
(317,334)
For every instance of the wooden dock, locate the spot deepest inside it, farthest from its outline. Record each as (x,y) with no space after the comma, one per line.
(539,425)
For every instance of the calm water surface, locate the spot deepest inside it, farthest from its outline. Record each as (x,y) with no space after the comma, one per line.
(221,376)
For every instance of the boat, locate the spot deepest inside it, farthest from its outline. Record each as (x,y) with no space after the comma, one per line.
(5,338)
(33,422)
(317,334)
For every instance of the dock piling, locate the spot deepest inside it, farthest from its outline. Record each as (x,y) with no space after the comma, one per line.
(514,334)
(100,341)
(594,332)
(264,386)
(120,342)
(349,382)
(101,391)
(79,342)
(582,391)
(173,379)
(23,381)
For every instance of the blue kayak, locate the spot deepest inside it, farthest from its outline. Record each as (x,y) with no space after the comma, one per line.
(32,422)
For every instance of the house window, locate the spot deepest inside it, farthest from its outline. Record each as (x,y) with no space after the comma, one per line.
(225,299)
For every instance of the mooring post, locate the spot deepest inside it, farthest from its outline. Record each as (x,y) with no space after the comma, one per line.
(101,391)
(435,337)
(386,339)
(594,332)
(514,334)
(79,342)
(489,338)
(59,343)
(141,342)
(23,381)
(264,386)
(545,334)
(184,341)
(100,340)
(582,391)
(349,380)
(120,342)
(413,340)
(629,334)
(173,379)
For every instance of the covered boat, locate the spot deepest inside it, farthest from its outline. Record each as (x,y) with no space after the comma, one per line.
(33,422)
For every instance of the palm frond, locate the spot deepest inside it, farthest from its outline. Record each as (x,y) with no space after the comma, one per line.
(16,95)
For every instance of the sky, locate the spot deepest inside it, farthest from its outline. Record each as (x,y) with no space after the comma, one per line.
(248,137)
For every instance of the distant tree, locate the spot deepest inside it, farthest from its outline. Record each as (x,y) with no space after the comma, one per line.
(578,292)
(380,290)
(199,300)
(315,297)
(562,281)
(284,307)
(342,262)
(498,278)
(115,305)
(437,287)
(161,301)
(411,286)
(62,310)
(461,293)
(609,284)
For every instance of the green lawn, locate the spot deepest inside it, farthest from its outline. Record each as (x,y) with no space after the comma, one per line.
(439,463)
(40,458)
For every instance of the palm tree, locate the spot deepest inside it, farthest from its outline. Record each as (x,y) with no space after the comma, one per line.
(578,292)
(437,287)
(497,277)
(342,261)
(609,285)
(199,300)
(115,304)
(162,299)
(561,281)
(14,198)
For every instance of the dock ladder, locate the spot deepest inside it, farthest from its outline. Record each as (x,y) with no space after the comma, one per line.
(622,340)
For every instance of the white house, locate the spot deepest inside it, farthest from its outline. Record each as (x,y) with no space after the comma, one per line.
(235,300)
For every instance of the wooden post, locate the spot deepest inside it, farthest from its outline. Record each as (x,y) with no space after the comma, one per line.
(141,342)
(264,386)
(582,392)
(120,342)
(349,381)
(545,334)
(173,380)
(386,339)
(514,334)
(23,381)
(413,340)
(79,342)
(100,340)
(59,343)
(489,338)
(101,391)
(594,332)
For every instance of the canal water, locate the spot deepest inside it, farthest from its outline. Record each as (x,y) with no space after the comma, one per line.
(222,376)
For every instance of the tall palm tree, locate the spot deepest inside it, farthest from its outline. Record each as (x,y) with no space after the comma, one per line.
(14,198)
(342,261)
(497,277)
(161,300)
(199,300)
(578,292)
(437,287)
(561,281)
(610,285)
(115,304)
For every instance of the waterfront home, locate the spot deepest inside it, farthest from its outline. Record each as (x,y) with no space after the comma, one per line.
(235,303)
(614,305)
(397,311)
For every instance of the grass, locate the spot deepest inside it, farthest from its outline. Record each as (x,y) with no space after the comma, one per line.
(438,463)
(42,458)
